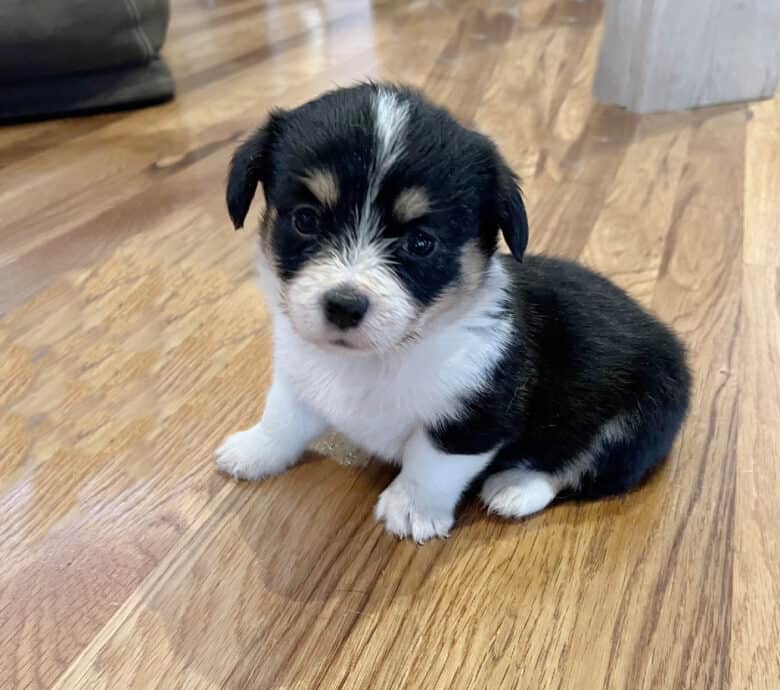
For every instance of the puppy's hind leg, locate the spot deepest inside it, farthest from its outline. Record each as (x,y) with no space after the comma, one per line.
(276,442)
(518,492)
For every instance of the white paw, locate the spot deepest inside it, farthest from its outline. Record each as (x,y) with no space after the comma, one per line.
(518,492)
(408,515)
(245,455)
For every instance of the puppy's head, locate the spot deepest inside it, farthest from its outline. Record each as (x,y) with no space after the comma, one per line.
(381,211)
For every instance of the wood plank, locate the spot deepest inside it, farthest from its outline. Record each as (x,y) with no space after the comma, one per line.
(762,185)
(755,644)
(680,585)
(628,238)
(755,647)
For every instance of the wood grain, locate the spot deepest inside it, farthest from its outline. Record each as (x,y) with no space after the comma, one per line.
(133,339)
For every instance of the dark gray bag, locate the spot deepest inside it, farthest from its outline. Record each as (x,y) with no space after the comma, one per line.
(65,57)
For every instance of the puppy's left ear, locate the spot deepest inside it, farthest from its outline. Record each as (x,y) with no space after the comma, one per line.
(250,166)
(512,218)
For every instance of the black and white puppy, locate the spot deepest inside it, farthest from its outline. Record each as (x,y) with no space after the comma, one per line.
(397,324)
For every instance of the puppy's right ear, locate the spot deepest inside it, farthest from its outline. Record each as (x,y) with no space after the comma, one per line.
(250,165)
(512,217)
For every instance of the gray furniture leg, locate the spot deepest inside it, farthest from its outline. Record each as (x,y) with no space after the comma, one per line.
(661,55)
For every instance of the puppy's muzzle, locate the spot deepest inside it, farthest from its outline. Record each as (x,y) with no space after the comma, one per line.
(345,307)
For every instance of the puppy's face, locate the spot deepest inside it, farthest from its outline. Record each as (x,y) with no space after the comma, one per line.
(381,211)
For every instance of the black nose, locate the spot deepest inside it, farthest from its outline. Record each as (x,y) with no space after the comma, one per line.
(345,307)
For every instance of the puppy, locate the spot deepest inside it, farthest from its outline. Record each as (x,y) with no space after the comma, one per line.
(398,324)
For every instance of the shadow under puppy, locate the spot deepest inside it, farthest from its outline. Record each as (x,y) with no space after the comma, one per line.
(396,322)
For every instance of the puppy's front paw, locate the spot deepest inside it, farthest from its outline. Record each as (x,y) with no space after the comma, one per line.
(407,514)
(245,455)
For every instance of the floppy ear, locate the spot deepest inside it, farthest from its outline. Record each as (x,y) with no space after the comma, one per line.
(512,218)
(250,165)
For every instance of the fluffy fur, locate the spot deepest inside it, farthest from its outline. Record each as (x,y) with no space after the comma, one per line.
(397,323)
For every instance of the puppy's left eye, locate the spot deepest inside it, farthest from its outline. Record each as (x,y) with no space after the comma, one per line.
(420,244)
(306,220)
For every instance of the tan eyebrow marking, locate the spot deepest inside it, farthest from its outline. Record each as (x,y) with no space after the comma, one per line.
(266,228)
(411,203)
(323,184)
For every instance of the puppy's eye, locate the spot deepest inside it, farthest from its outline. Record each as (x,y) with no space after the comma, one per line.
(306,220)
(420,244)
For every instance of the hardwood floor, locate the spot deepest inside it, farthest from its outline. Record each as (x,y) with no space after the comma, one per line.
(133,340)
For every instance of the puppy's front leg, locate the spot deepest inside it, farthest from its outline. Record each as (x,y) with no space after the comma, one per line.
(277,441)
(421,501)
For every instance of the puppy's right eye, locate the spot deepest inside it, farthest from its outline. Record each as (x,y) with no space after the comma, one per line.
(305,220)
(420,244)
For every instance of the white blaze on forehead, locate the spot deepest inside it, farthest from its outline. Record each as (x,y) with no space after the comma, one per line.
(391,115)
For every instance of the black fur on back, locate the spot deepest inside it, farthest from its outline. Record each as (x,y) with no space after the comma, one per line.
(584,353)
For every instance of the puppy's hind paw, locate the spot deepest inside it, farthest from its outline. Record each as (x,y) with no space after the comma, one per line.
(517,492)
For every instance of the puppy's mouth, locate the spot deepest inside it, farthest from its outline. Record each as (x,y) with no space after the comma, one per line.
(340,342)
(357,349)
(342,345)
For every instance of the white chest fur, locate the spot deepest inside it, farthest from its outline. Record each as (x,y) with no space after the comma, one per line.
(378,401)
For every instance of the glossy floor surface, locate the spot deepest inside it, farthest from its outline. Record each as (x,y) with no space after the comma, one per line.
(133,340)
